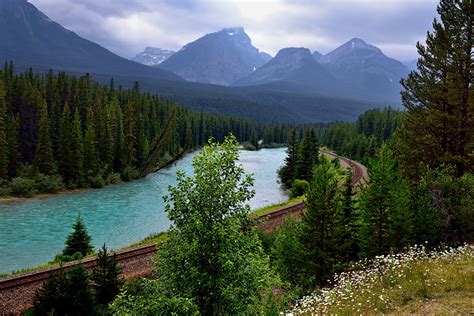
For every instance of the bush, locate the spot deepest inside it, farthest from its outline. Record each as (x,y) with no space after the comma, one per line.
(23,187)
(48,184)
(130,173)
(96,181)
(299,187)
(143,297)
(114,178)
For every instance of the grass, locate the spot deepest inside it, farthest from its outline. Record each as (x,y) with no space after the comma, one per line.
(416,282)
(275,207)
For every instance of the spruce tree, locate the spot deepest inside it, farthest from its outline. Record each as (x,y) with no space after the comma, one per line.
(44,160)
(439,126)
(308,156)
(4,149)
(79,240)
(13,154)
(384,207)
(65,145)
(90,145)
(348,246)
(287,172)
(77,152)
(106,277)
(319,224)
(66,293)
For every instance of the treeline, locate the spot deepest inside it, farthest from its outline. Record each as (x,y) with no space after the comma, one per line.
(360,140)
(61,131)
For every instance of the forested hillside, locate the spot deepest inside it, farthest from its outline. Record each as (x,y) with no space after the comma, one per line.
(57,130)
(360,140)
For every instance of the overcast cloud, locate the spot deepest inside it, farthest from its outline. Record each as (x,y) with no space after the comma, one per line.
(127,26)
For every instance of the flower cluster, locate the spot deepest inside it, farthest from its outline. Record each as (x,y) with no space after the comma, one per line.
(363,287)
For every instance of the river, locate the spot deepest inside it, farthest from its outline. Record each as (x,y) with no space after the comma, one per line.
(33,231)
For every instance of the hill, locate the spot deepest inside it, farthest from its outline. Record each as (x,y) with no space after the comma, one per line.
(31,39)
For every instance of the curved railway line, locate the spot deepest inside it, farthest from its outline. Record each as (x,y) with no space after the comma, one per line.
(17,291)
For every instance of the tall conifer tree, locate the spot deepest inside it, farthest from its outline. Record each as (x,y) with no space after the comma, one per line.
(439,97)
(44,160)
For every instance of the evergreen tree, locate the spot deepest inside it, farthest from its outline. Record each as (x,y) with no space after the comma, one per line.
(67,293)
(90,145)
(44,160)
(77,152)
(319,224)
(348,246)
(308,156)
(79,240)
(13,153)
(384,207)
(106,277)
(4,149)
(439,126)
(65,145)
(287,172)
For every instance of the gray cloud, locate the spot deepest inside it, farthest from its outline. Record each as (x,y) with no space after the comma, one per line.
(127,26)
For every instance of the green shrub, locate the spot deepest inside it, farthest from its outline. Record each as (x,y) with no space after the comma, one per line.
(48,184)
(299,187)
(23,187)
(114,178)
(96,181)
(130,173)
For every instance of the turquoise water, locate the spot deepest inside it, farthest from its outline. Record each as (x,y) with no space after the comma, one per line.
(32,232)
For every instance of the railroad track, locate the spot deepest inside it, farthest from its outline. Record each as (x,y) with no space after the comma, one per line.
(40,275)
(17,283)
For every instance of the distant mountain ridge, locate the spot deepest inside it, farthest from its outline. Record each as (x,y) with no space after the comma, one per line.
(295,66)
(153,56)
(366,67)
(217,58)
(30,39)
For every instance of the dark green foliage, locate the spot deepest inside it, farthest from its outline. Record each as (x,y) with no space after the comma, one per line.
(385,215)
(360,140)
(308,156)
(106,277)
(347,245)
(67,293)
(302,157)
(84,132)
(44,161)
(439,126)
(23,187)
(287,172)
(79,240)
(144,297)
(287,253)
(299,188)
(319,224)
(4,150)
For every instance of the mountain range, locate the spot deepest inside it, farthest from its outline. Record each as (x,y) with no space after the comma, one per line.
(31,39)
(356,69)
(218,58)
(221,72)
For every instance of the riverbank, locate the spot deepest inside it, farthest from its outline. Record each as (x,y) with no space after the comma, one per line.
(15,199)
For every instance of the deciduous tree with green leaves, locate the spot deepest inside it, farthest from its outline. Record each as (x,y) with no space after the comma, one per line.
(214,255)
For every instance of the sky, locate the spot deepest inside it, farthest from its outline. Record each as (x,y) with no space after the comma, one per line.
(126,27)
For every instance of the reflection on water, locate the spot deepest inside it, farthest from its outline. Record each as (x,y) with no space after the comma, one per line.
(32,232)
